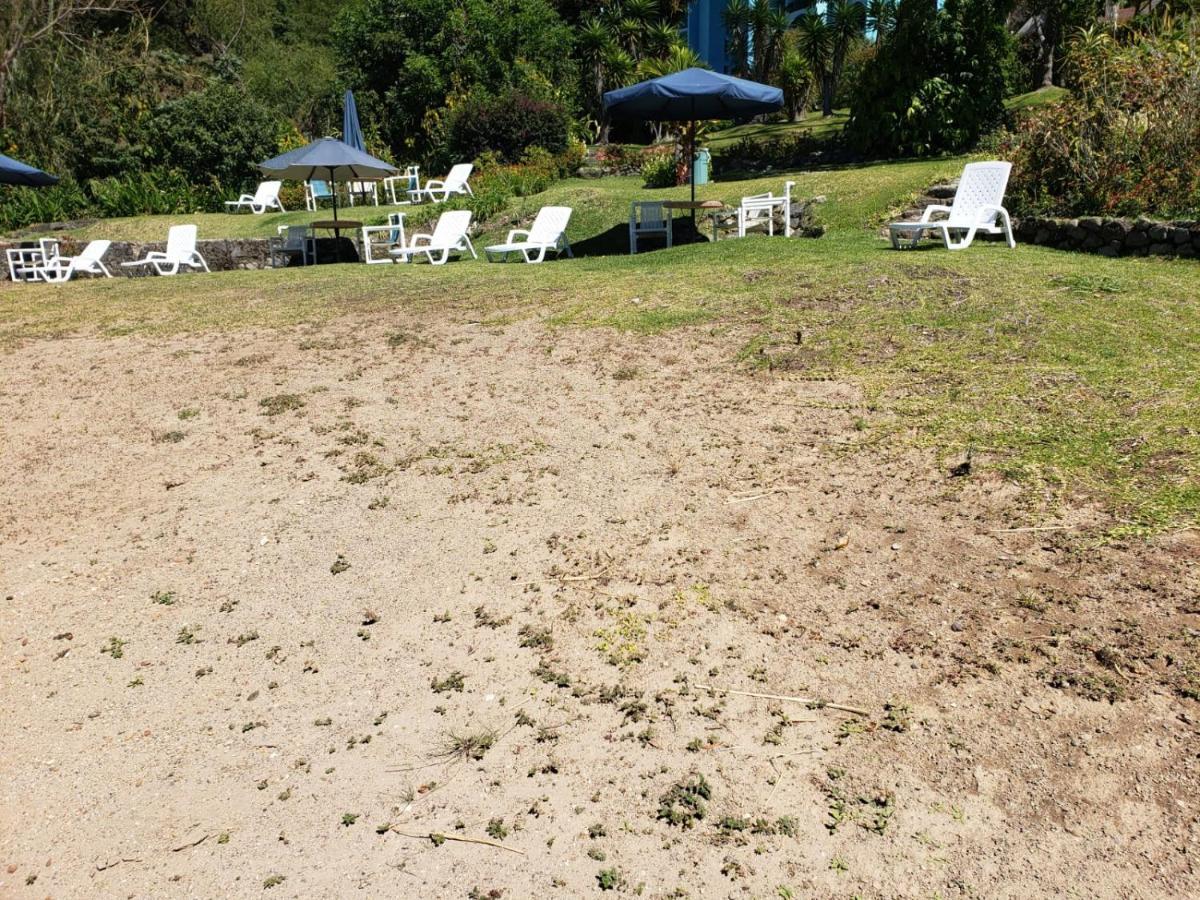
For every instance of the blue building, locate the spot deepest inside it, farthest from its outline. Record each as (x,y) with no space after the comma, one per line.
(706,30)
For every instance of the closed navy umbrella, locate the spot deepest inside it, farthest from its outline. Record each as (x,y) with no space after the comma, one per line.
(351,130)
(14,172)
(690,95)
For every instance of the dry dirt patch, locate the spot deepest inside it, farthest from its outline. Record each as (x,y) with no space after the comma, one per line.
(300,611)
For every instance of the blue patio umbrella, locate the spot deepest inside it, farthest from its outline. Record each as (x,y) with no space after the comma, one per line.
(691,95)
(351,130)
(15,172)
(329,159)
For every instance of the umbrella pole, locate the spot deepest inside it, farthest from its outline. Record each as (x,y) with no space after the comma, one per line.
(337,234)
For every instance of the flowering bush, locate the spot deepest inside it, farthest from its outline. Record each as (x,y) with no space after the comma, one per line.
(1127,139)
(659,168)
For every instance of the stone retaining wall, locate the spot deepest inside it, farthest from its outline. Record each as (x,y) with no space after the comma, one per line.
(1113,237)
(221,255)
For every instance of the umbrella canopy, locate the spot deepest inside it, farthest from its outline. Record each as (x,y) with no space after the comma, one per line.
(693,94)
(328,159)
(14,172)
(351,130)
(690,95)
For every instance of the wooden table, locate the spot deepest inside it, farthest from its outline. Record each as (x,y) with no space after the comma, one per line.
(336,226)
(710,208)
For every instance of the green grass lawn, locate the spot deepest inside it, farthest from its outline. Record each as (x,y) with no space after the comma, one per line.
(1071,373)
(1040,97)
(813,123)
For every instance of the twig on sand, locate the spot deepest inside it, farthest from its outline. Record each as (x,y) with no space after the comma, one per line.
(116,862)
(601,574)
(810,701)
(736,498)
(195,843)
(1031,528)
(437,836)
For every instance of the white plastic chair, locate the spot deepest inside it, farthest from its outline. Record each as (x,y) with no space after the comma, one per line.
(759,209)
(409,182)
(648,217)
(59,269)
(290,239)
(363,189)
(181,251)
(548,232)
(976,208)
(442,190)
(266,197)
(314,193)
(449,236)
(393,239)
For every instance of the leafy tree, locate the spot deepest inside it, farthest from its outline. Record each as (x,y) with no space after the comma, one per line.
(936,84)
(881,17)
(815,44)
(796,79)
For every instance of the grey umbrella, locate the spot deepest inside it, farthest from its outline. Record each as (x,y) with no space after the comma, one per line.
(329,159)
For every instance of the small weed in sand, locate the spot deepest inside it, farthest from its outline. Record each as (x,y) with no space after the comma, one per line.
(114,647)
(167,437)
(532,636)
(471,745)
(164,598)
(497,830)
(340,565)
(685,803)
(609,880)
(273,881)
(485,619)
(380,502)
(280,403)
(349,819)
(242,639)
(625,373)
(188,413)
(896,717)
(187,635)
(597,830)
(624,642)
(452,682)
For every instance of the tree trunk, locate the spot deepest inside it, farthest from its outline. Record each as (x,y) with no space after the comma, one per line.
(827,88)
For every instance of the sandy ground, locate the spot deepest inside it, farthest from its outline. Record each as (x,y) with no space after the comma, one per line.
(277,607)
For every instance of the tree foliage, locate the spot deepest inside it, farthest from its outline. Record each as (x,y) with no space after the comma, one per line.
(936,83)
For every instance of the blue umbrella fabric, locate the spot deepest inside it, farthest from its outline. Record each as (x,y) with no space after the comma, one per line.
(691,95)
(327,159)
(15,172)
(351,130)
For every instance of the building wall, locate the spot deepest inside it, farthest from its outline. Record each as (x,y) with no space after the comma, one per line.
(706,32)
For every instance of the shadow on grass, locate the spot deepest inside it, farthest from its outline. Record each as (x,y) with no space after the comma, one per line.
(615,241)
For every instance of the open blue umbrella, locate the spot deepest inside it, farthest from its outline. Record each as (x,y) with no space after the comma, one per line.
(327,158)
(351,130)
(15,172)
(691,95)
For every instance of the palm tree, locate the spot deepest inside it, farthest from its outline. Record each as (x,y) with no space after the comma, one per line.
(881,18)
(660,37)
(770,28)
(738,18)
(795,77)
(815,43)
(847,20)
(594,43)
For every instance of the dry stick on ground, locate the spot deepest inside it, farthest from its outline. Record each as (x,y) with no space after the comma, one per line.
(195,843)
(1030,528)
(434,835)
(734,498)
(810,701)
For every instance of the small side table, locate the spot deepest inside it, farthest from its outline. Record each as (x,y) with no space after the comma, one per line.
(710,208)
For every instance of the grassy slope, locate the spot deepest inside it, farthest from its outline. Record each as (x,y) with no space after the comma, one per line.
(1058,368)
(813,123)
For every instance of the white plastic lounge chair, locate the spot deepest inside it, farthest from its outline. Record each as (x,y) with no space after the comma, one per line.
(314,193)
(976,208)
(548,232)
(181,251)
(59,269)
(449,236)
(760,209)
(452,184)
(363,189)
(647,217)
(266,197)
(408,183)
(389,237)
(292,239)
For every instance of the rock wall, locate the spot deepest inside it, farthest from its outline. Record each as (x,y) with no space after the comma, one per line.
(221,255)
(1113,237)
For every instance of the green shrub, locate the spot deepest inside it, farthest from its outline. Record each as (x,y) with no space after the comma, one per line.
(507,124)
(1125,141)
(659,168)
(936,84)
(216,136)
